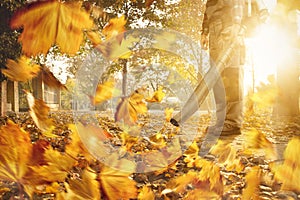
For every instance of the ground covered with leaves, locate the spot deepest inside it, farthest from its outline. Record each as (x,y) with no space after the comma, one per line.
(262,163)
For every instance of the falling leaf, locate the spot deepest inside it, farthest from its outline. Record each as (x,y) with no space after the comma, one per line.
(129,108)
(85,187)
(252,184)
(117,184)
(157,96)
(168,113)
(39,112)
(103,92)
(227,156)
(46,23)
(94,37)
(288,172)
(16,151)
(113,49)
(257,142)
(50,80)
(114,28)
(87,141)
(58,165)
(21,70)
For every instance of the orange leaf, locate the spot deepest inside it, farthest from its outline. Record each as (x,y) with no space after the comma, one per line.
(57,168)
(39,112)
(114,27)
(50,80)
(46,23)
(85,187)
(252,181)
(117,184)
(20,70)
(94,37)
(104,92)
(16,151)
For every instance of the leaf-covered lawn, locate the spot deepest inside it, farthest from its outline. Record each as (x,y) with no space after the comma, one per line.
(249,167)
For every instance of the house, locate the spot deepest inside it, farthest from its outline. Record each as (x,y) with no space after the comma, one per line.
(13,98)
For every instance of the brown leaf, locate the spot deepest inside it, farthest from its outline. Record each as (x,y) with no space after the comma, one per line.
(21,70)
(46,23)
(148,3)
(50,80)
(16,151)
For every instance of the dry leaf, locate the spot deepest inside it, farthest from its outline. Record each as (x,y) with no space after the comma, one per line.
(21,70)
(114,28)
(227,156)
(148,3)
(168,113)
(104,92)
(50,80)
(57,168)
(252,181)
(146,193)
(46,23)
(16,151)
(257,142)
(288,173)
(94,37)
(129,108)
(157,96)
(85,187)
(39,111)
(117,184)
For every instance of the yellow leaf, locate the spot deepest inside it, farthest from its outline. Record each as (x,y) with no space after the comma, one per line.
(104,92)
(200,194)
(252,184)
(288,173)
(114,27)
(85,187)
(57,168)
(50,80)
(146,193)
(39,112)
(227,156)
(46,23)
(90,136)
(22,70)
(117,184)
(129,108)
(157,96)
(94,37)
(16,151)
(168,113)
(258,143)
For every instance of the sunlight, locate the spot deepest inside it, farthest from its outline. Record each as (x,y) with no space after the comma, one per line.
(270,46)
